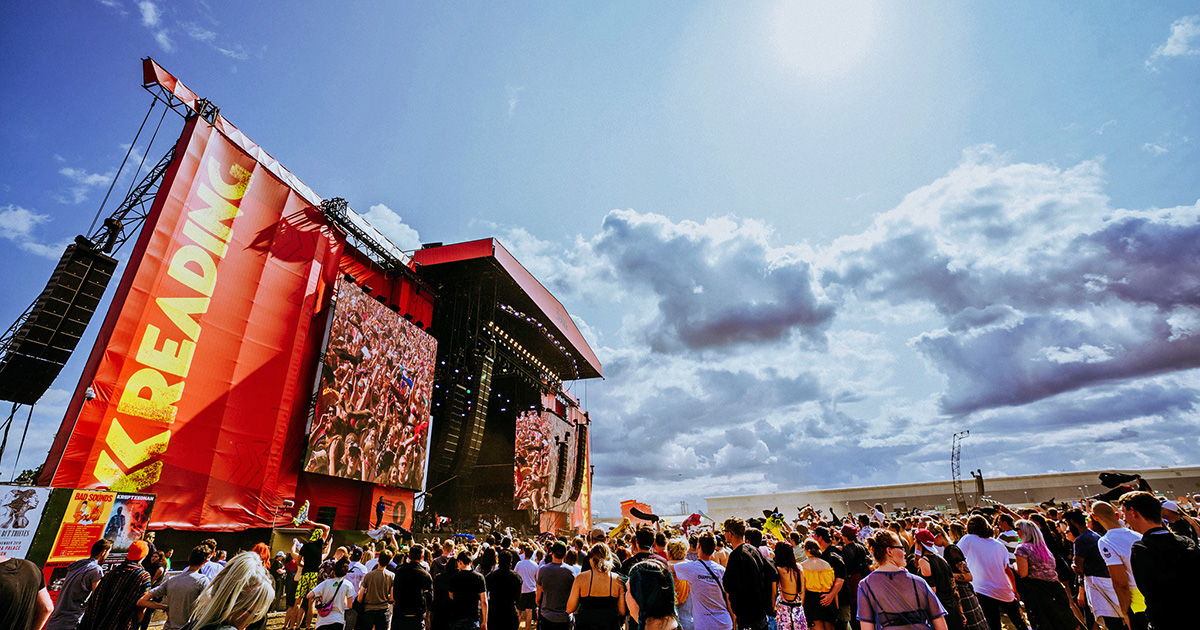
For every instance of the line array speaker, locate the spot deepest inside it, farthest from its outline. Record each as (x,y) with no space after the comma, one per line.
(57,321)
(581,448)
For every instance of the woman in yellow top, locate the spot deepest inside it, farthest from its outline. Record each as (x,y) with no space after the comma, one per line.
(818,580)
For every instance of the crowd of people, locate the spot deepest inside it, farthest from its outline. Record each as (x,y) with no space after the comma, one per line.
(374,395)
(1133,563)
(535,463)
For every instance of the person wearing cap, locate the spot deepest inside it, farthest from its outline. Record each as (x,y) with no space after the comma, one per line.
(114,604)
(926,562)
(1179,522)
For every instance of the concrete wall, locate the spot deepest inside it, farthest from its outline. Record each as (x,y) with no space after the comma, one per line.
(1022,490)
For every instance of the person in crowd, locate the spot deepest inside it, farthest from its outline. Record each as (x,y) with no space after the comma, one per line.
(376,593)
(820,611)
(439,563)
(178,594)
(240,595)
(1166,566)
(413,591)
(211,567)
(650,597)
(693,553)
(332,597)
(721,556)
(789,604)
(1045,598)
(504,591)
(24,600)
(355,576)
(676,553)
(1096,592)
(858,565)
(82,578)
(442,602)
(554,582)
(643,540)
(1116,547)
(937,573)
(278,571)
(890,596)
(597,596)
(991,575)
(308,557)
(710,605)
(829,553)
(1179,522)
(468,595)
(1007,534)
(972,613)
(749,579)
(527,570)
(486,561)
(114,604)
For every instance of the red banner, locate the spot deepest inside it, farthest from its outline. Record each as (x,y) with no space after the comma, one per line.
(202,370)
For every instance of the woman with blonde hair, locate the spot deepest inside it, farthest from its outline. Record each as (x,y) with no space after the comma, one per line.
(239,595)
(596,594)
(676,553)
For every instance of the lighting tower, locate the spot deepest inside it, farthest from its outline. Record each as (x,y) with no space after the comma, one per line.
(955,452)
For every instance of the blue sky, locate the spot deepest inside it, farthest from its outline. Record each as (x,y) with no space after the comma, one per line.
(808,241)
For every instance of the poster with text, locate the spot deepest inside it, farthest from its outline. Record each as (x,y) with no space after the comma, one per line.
(84,522)
(127,521)
(20,512)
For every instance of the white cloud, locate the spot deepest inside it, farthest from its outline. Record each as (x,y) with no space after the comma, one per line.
(115,5)
(150,13)
(514,93)
(1154,148)
(390,224)
(17,224)
(1044,318)
(198,33)
(163,38)
(236,52)
(1183,41)
(1100,130)
(84,182)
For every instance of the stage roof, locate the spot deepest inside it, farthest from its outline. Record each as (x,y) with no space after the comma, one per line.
(517,288)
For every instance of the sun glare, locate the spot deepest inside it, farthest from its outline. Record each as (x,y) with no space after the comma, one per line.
(823,39)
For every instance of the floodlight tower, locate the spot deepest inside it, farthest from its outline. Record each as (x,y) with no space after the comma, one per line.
(955,452)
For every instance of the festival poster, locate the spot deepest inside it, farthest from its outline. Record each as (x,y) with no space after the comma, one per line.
(127,522)
(20,512)
(84,523)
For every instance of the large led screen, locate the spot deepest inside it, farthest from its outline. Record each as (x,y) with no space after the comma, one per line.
(536,461)
(372,416)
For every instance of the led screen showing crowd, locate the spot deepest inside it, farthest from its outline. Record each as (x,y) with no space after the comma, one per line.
(536,459)
(372,416)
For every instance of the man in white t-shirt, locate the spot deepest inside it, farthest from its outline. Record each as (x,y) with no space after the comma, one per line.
(710,606)
(1116,546)
(987,558)
(527,569)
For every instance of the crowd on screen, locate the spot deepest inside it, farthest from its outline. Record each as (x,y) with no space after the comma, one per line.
(374,394)
(1132,562)
(535,461)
